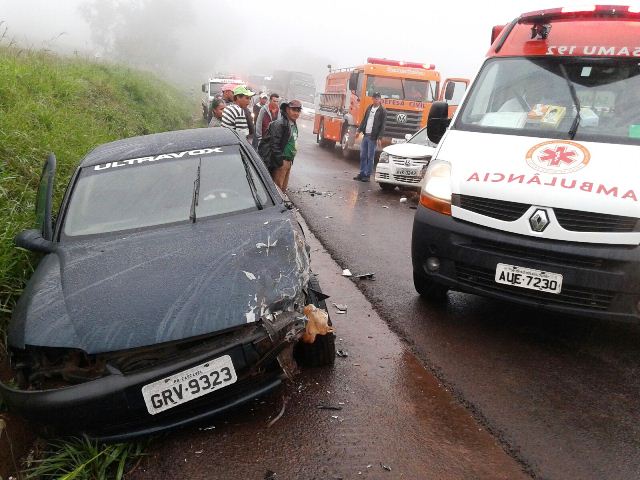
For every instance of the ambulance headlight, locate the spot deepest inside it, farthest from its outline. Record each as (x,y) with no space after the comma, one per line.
(384,158)
(436,193)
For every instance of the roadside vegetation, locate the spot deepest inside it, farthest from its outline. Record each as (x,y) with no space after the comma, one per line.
(66,106)
(83,459)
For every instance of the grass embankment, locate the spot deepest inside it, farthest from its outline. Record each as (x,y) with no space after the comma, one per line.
(66,106)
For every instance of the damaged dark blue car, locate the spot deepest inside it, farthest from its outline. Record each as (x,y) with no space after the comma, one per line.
(171,289)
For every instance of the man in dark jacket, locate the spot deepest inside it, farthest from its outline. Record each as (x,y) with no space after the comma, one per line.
(280,143)
(372,128)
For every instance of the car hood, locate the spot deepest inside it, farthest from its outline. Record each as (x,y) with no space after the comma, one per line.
(409,150)
(163,285)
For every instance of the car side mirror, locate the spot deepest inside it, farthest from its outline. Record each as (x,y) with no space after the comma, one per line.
(204,88)
(438,121)
(407,136)
(34,241)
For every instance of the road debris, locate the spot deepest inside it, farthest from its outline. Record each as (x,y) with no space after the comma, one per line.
(385,206)
(342,353)
(249,275)
(386,467)
(270,475)
(342,308)
(365,275)
(212,427)
(279,416)
(346,272)
(329,407)
(403,199)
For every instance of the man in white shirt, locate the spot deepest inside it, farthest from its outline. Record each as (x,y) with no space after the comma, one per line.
(234,115)
(372,128)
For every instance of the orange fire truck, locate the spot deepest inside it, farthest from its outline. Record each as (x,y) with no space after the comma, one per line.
(408,89)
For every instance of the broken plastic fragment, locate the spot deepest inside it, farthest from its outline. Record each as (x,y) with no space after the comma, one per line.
(403,200)
(365,275)
(328,407)
(249,275)
(346,272)
(386,467)
(341,308)
(342,353)
(317,324)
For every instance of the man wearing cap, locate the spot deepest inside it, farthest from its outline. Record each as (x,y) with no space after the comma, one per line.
(227,92)
(235,115)
(372,128)
(279,145)
(268,113)
(256,112)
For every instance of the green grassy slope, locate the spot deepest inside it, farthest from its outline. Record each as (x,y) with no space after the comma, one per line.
(66,106)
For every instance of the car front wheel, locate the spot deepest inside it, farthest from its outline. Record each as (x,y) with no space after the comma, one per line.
(322,352)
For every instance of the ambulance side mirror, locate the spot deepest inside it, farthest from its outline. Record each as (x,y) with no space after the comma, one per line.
(438,121)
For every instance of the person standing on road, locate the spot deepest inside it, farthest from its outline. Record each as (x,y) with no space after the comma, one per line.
(227,92)
(267,114)
(259,104)
(217,107)
(372,128)
(256,113)
(279,145)
(234,116)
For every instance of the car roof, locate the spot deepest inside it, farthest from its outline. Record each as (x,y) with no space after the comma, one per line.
(160,143)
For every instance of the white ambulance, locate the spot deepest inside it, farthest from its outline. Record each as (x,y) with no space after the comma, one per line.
(532,194)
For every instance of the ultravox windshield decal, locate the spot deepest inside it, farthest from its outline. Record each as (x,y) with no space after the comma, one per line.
(164,156)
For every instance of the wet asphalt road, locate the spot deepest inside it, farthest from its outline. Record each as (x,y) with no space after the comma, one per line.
(561,394)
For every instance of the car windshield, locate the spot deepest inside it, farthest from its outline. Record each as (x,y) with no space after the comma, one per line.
(401,89)
(541,96)
(153,191)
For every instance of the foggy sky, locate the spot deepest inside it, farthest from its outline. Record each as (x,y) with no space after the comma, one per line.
(186,41)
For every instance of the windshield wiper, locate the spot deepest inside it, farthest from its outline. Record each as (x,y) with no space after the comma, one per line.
(196,194)
(252,185)
(576,103)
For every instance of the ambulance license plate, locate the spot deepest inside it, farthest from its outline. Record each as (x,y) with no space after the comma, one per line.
(528,278)
(189,384)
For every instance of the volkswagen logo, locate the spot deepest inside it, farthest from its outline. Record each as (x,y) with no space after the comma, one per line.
(539,220)
(401,118)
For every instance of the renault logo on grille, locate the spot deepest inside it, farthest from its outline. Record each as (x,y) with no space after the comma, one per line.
(401,118)
(539,220)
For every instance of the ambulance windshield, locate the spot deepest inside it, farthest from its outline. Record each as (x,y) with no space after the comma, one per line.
(533,97)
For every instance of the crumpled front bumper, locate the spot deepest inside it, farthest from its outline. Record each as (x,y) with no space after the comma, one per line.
(112,407)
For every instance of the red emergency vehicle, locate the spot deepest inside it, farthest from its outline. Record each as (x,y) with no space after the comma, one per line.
(532,195)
